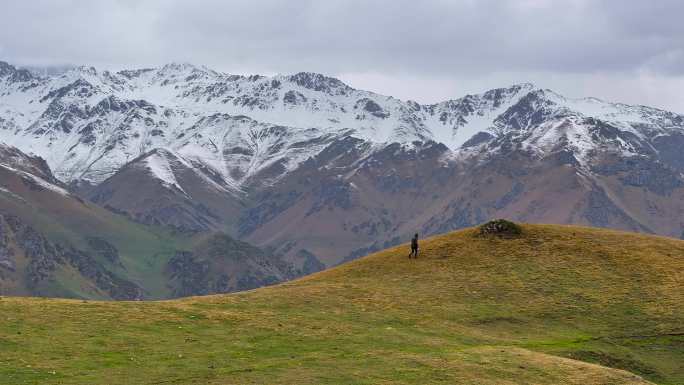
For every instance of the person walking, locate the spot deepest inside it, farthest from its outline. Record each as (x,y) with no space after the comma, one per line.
(414,247)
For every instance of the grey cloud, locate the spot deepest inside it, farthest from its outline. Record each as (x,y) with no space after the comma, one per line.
(456,40)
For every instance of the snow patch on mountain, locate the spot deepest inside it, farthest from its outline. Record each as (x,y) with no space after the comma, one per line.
(160,168)
(37,180)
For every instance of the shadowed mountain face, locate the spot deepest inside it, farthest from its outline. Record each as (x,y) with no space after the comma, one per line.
(323,173)
(30,264)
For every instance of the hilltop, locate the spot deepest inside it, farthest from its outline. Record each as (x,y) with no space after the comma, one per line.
(555,304)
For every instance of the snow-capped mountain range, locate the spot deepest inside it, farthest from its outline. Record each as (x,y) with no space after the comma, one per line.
(88,123)
(195,149)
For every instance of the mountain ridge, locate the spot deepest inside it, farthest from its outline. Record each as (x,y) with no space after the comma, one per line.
(124,91)
(198,150)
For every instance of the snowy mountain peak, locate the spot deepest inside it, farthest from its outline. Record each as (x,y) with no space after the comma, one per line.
(173,169)
(180,69)
(160,163)
(6,68)
(86,70)
(319,82)
(14,74)
(87,123)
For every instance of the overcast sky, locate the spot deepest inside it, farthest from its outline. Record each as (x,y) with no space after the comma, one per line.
(621,50)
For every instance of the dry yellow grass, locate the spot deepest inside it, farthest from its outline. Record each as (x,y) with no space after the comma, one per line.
(471,310)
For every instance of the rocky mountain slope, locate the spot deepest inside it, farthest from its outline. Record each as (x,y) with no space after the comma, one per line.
(321,172)
(53,243)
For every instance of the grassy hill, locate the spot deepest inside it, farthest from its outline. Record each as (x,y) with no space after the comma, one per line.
(555,305)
